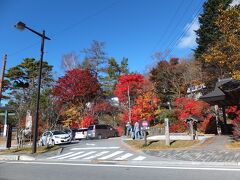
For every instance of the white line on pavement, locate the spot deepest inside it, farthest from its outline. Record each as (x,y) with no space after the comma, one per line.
(60,155)
(90,144)
(139,158)
(125,156)
(97,155)
(111,155)
(123,166)
(90,148)
(83,155)
(71,155)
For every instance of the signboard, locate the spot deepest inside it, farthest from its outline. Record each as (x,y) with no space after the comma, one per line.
(144,124)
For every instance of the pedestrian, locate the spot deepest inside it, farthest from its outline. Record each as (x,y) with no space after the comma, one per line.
(137,130)
(128,128)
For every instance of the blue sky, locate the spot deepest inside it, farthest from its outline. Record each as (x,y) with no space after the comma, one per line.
(134,29)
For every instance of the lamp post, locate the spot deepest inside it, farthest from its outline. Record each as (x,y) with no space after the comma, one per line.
(21,26)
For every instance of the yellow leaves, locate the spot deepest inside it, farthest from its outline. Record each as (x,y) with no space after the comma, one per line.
(71,114)
(226,51)
(236,75)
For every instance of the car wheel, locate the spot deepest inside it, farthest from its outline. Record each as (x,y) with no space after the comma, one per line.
(99,136)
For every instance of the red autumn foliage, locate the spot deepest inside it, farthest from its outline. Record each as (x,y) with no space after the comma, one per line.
(145,107)
(84,123)
(133,82)
(178,127)
(77,86)
(186,107)
(234,114)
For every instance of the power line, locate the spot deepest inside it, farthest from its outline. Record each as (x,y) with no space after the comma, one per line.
(182,34)
(170,31)
(170,22)
(70,26)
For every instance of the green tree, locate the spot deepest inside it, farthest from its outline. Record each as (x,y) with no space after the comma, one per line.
(23,99)
(208,34)
(225,52)
(114,71)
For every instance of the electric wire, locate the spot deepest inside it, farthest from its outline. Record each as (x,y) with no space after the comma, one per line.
(100,11)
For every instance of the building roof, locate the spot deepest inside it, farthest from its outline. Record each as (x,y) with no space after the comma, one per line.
(225,93)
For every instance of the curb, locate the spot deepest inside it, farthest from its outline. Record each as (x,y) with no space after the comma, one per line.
(16,158)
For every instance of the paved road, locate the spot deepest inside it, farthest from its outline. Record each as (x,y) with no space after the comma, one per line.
(62,171)
(98,150)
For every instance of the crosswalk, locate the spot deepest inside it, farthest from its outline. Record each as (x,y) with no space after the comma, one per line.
(98,155)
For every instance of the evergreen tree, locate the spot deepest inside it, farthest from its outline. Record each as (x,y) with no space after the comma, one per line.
(23,99)
(208,33)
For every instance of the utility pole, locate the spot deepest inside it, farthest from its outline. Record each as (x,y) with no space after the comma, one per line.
(1,87)
(2,75)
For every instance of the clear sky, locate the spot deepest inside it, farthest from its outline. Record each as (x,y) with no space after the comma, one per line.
(134,29)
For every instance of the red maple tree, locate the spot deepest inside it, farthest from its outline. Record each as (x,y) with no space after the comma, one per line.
(132,83)
(78,86)
(186,107)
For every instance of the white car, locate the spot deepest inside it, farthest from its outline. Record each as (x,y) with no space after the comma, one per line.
(80,133)
(54,137)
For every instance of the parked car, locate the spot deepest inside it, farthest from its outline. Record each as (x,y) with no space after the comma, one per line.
(54,137)
(100,131)
(80,133)
(69,132)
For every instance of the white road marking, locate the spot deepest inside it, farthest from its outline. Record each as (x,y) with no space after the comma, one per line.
(125,156)
(139,158)
(90,144)
(97,155)
(91,148)
(111,155)
(124,166)
(83,155)
(71,155)
(60,155)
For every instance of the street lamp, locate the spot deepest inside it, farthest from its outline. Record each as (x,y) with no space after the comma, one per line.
(21,26)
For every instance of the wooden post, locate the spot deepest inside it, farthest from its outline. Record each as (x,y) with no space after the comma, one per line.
(167,135)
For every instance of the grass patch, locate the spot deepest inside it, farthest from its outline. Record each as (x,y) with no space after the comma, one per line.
(234,145)
(160,145)
(28,150)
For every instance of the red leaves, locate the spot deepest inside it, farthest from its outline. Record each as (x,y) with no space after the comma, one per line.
(186,107)
(133,82)
(145,107)
(76,86)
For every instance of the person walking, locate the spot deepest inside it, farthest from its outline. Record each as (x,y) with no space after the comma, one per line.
(137,130)
(128,128)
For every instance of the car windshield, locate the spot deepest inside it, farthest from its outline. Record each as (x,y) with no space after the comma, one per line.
(58,132)
(90,128)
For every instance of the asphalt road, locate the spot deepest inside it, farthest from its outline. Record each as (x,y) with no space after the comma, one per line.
(91,150)
(75,171)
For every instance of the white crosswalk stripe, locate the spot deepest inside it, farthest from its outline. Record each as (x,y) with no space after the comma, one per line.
(125,156)
(71,155)
(139,158)
(60,155)
(97,155)
(100,155)
(83,155)
(111,155)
